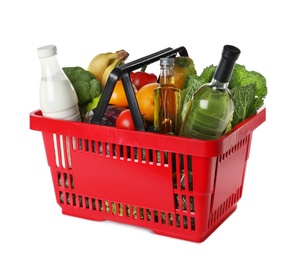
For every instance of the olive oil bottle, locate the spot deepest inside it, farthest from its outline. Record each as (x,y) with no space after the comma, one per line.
(167,99)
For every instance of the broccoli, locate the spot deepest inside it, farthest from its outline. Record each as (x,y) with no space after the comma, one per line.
(85,84)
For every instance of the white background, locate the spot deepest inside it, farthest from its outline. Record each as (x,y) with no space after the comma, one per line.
(32,225)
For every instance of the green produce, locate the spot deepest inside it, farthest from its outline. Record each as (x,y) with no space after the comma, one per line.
(85,84)
(243,99)
(93,104)
(207,73)
(248,89)
(244,77)
(183,66)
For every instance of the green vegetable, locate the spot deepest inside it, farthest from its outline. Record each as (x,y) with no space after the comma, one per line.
(93,103)
(245,77)
(248,90)
(243,98)
(208,73)
(85,84)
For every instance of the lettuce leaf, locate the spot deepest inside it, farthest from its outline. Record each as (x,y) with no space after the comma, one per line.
(243,99)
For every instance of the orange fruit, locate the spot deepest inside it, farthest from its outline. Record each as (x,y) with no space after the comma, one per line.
(145,99)
(118,96)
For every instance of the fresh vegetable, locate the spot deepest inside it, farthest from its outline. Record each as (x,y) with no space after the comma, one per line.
(93,104)
(244,77)
(183,66)
(248,89)
(243,98)
(142,78)
(125,120)
(84,83)
(207,73)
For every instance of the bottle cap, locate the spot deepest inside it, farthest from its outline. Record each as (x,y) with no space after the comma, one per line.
(46,51)
(167,61)
(230,53)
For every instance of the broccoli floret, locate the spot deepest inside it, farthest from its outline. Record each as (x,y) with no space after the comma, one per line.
(85,84)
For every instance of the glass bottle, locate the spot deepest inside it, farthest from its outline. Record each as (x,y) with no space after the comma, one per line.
(58,98)
(167,99)
(211,106)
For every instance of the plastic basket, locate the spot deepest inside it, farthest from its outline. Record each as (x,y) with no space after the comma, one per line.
(178,187)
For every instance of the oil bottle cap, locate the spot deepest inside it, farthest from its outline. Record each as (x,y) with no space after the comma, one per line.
(46,51)
(167,61)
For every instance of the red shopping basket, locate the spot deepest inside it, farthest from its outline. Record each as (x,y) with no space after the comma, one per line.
(175,186)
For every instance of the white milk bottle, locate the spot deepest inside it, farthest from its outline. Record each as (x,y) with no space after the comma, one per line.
(58,99)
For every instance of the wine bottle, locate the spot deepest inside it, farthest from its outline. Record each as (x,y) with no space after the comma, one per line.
(211,107)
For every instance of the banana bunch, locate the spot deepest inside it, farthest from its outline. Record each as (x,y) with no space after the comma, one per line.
(102,64)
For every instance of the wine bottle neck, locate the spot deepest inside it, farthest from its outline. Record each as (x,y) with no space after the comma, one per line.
(224,71)
(216,84)
(226,65)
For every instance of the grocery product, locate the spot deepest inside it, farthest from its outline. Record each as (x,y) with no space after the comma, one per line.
(58,98)
(211,107)
(167,99)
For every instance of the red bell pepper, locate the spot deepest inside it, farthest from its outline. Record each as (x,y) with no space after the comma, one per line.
(141,78)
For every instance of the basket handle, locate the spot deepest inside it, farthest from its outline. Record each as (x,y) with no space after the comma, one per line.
(123,72)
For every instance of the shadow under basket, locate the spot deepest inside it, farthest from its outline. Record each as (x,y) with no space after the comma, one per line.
(175,186)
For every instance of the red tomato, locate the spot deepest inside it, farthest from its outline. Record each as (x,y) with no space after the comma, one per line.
(125,120)
(141,78)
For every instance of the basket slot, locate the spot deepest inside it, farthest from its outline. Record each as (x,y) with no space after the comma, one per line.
(65,180)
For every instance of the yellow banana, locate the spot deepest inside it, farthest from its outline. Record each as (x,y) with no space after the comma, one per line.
(113,64)
(101,61)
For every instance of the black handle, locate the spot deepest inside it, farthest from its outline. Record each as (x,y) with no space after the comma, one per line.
(123,72)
